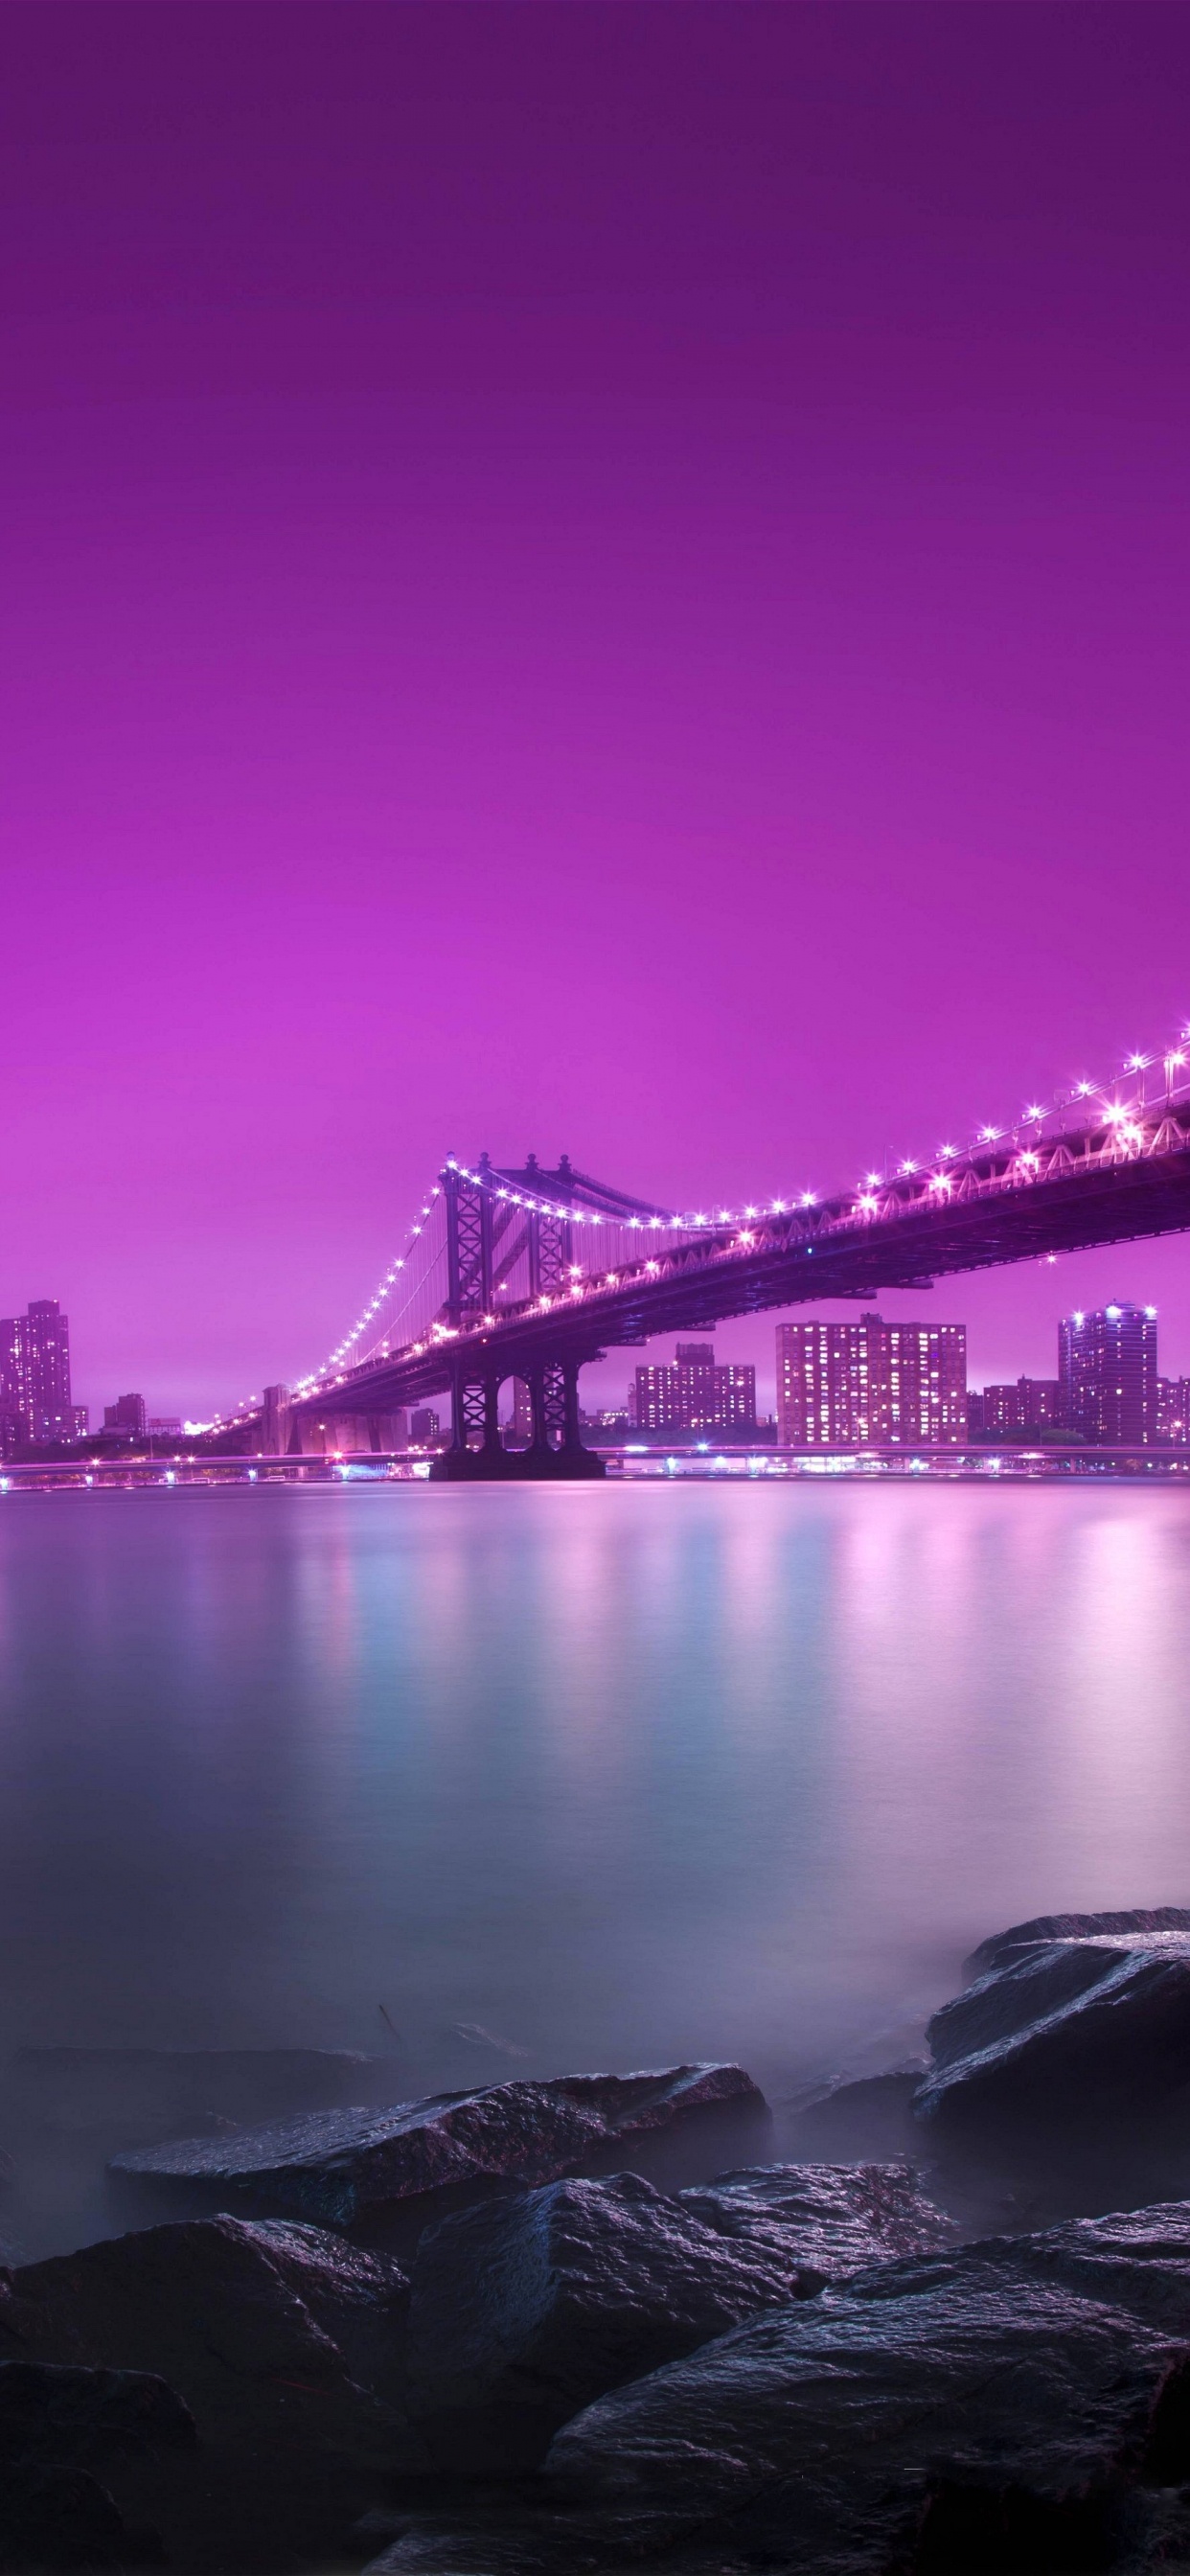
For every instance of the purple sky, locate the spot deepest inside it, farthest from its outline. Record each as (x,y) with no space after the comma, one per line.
(577,576)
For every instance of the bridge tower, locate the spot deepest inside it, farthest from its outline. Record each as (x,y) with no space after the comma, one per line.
(485,1237)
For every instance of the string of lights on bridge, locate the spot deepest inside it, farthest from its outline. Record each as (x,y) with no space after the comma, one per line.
(1121,1116)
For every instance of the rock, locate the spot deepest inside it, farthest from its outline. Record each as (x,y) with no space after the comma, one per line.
(830,2219)
(58,2518)
(1137,2260)
(286,2344)
(526,2307)
(247,2321)
(49,2411)
(336,2165)
(870,2117)
(855,2435)
(1064,2028)
(512,2540)
(1018,2404)
(1002,1946)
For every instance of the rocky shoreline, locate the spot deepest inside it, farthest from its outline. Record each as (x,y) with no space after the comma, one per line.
(470,2336)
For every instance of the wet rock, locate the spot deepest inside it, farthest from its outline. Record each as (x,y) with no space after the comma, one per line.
(525,2308)
(267,2322)
(337,2165)
(512,2540)
(871,2116)
(1060,2029)
(847,2433)
(50,2412)
(830,2220)
(1002,1946)
(1021,2404)
(285,2343)
(54,2518)
(1137,2260)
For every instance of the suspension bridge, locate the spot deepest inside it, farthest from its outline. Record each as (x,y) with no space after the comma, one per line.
(532,1273)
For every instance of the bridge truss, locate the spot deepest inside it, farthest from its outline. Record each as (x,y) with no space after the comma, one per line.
(527,1272)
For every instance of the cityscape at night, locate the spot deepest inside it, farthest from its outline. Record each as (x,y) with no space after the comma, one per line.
(595,1367)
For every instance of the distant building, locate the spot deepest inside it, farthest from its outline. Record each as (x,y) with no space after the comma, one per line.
(1029,1407)
(127,1415)
(694,1392)
(35,1371)
(867,1384)
(164,1426)
(1107,1372)
(1173,1410)
(520,1422)
(423,1425)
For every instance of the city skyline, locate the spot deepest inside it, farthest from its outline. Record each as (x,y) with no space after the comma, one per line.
(622,602)
(862,1381)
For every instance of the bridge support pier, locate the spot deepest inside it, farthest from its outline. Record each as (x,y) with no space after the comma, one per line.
(475,1407)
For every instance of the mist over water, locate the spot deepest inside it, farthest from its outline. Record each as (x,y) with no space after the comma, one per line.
(608,1776)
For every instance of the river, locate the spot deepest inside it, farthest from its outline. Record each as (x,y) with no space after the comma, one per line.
(523,1779)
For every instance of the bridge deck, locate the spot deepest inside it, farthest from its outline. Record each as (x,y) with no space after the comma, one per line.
(1007,1205)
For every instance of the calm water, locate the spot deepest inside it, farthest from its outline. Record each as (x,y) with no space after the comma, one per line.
(622,1775)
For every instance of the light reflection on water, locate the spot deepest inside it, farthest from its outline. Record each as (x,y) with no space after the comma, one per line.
(622,1774)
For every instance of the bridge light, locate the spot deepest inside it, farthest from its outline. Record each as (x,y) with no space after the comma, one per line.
(1034,1110)
(871,1179)
(989,1134)
(1082,1089)
(908,1165)
(948,1151)
(808,1199)
(1137,1062)
(653,1268)
(751,1211)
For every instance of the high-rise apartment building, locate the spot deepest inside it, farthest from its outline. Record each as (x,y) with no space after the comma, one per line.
(1107,1373)
(1173,1410)
(867,1384)
(127,1415)
(521,1418)
(35,1371)
(694,1392)
(1029,1406)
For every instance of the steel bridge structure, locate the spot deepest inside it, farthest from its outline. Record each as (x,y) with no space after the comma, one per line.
(532,1273)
